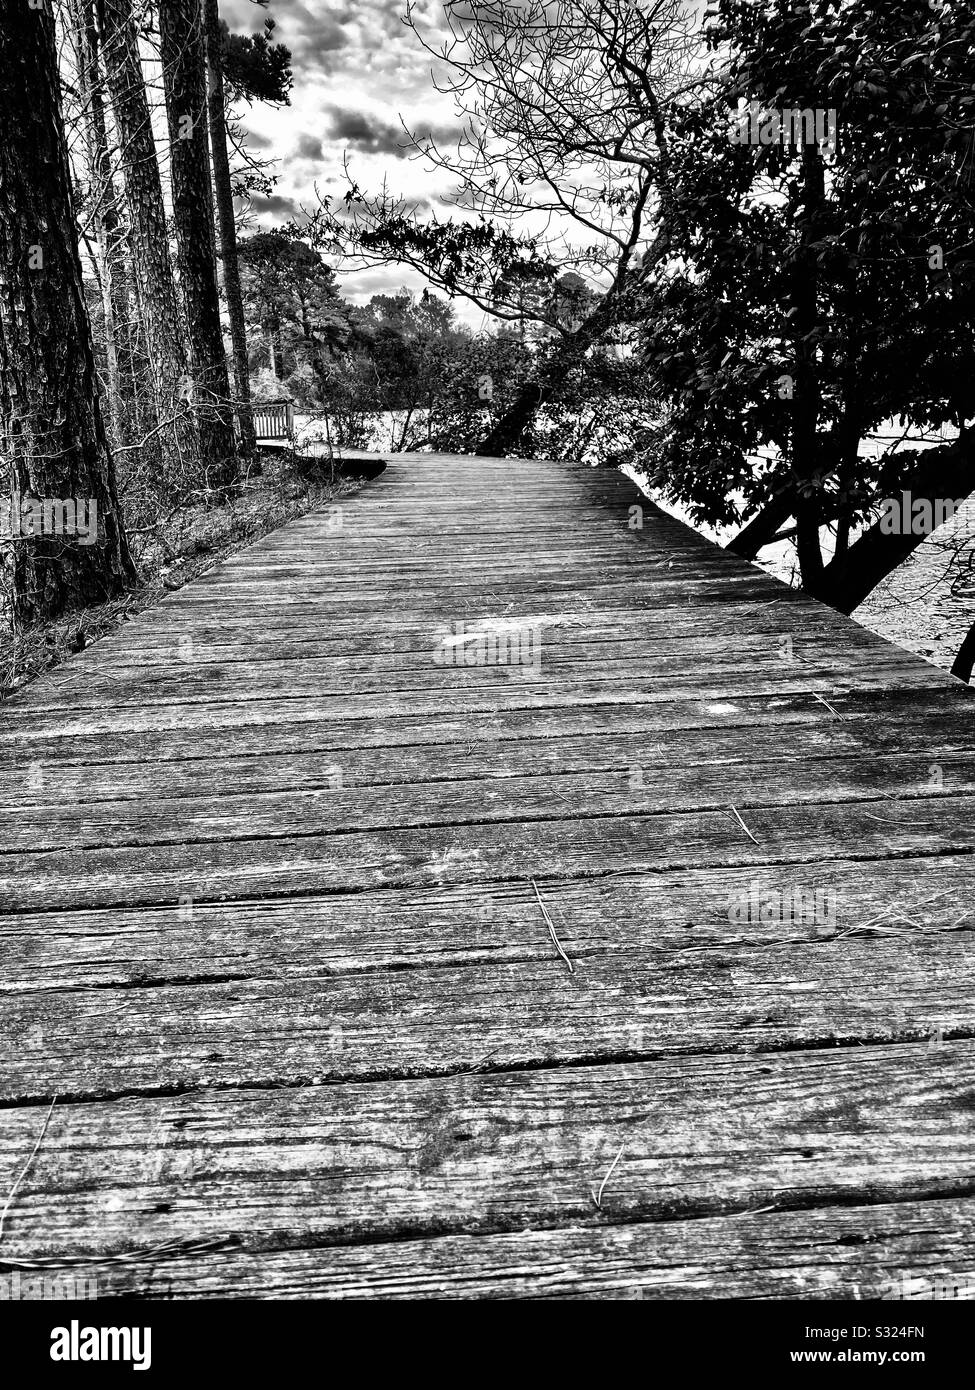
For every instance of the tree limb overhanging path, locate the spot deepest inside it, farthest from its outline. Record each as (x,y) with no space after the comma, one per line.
(358,970)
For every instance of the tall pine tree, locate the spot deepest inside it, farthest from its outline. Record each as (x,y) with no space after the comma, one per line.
(184,80)
(175,429)
(53,434)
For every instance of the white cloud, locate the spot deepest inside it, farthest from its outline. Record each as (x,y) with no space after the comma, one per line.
(359,73)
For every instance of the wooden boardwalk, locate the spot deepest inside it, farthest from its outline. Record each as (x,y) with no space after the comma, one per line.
(286,884)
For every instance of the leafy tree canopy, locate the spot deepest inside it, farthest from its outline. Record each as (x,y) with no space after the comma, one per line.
(810,296)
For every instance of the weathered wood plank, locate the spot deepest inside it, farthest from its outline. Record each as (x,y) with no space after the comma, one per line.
(860,1252)
(575,638)
(404,632)
(52,775)
(191,682)
(296,726)
(644,783)
(474,698)
(471,600)
(484,852)
(678,914)
(492,1152)
(635,564)
(427,1021)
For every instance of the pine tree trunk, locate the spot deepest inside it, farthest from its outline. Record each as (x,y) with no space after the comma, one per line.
(53,433)
(184,79)
(105,203)
(228,232)
(159,313)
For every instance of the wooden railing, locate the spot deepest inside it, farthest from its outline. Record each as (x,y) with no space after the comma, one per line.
(274,420)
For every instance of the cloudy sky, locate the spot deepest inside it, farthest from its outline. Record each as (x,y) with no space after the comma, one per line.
(357,70)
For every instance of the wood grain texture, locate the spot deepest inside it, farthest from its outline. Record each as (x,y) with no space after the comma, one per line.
(273,897)
(317,1029)
(649,773)
(335,802)
(260,729)
(482,852)
(843,1253)
(502,1151)
(678,916)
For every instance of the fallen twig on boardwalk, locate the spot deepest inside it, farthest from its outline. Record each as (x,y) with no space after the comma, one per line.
(828,705)
(483,1062)
(886,923)
(744,826)
(597,1197)
(168,1247)
(26,1168)
(551,928)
